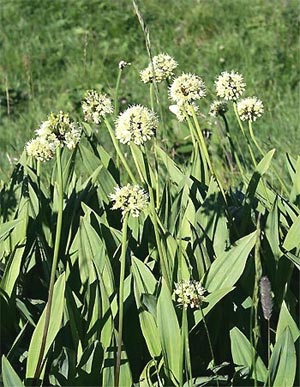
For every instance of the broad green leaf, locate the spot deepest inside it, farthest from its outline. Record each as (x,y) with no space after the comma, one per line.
(286,320)
(228,268)
(9,375)
(272,230)
(5,228)
(12,269)
(283,361)
(260,170)
(56,314)
(292,239)
(243,354)
(169,332)
(145,283)
(174,172)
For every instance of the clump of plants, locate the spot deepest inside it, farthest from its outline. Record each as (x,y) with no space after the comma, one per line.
(136,267)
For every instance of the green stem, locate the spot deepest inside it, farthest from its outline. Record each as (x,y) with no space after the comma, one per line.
(186,346)
(238,118)
(54,262)
(119,152)
(235,155)
(117,92)
(209,341)
(121,298)
(201,139)
(269,354)
(152,96)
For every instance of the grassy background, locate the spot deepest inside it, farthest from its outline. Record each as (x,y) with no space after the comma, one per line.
(53,50)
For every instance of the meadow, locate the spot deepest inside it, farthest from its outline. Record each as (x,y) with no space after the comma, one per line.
(149,193)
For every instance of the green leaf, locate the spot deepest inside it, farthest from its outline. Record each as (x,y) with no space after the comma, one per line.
(283,361)
(228,268)
(173,171)
(7,227)
(169,333)
(56,314)
(9,375)
(292,239)
(243,353)
(286,320)
(144,284)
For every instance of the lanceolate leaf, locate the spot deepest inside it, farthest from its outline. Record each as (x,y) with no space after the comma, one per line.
(227,269)
(283,361)
(243,354)
(54,327)
(286,320)
(169,333)
(9,375)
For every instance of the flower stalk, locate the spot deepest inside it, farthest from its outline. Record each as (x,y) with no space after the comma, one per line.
(121,298)
(54,262)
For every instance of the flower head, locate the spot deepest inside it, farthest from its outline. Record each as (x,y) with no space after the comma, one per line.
(187,88)
(266,297)
(60,130)
(41,149)
(137,124)
(230,86)
(189,294)
(95,106)
(249,109)
(161,68)
(218,108)
(130,199)
(181,110)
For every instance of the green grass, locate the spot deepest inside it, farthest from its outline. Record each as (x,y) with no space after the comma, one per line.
(52,51)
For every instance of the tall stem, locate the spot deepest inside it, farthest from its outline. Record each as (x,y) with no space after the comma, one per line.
(202,141)
(121,299)
(54,262)
(117,92)
(119,152)
(209,341)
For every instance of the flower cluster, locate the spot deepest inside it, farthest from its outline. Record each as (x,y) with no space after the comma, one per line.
(161,68)
(182,110)
(58,131)
(187,88)
(95,106)
(230,86)
(218,108)
(189,294)
(41,149)
(249,109)
(130,199)
(137,124)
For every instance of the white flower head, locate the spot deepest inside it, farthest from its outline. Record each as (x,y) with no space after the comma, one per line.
(187,88)
(181,110)
(218,108)
(41,149)
(60,130)
(249,109)
(130,199)
(137,124)
(95,106)
(161,68)
(189,294)
(230,86)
